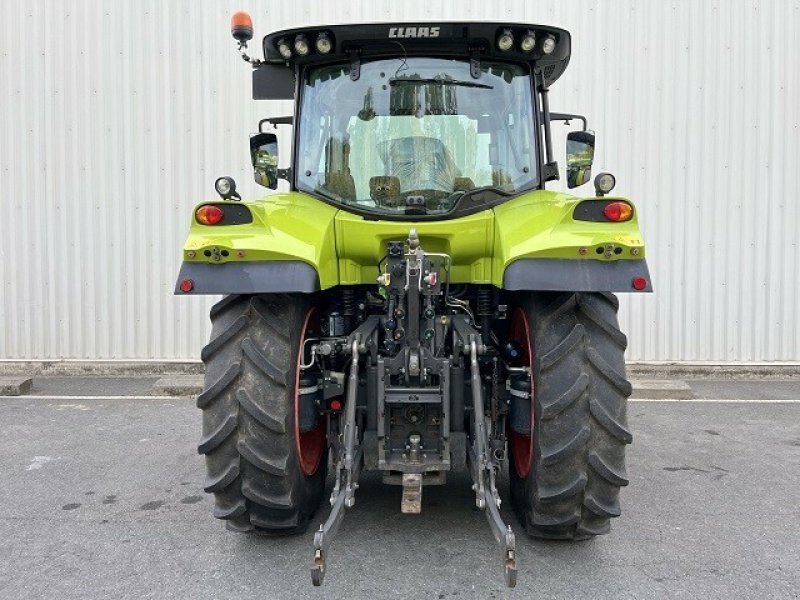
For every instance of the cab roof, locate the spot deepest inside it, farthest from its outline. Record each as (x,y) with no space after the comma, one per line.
(356,42)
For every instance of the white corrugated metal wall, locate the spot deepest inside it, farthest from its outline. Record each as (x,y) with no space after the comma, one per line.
(116,117)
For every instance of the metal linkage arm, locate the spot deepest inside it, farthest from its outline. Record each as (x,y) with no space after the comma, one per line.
(348,468)
(484,467)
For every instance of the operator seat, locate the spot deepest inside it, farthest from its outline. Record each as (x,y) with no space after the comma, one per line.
(419,162)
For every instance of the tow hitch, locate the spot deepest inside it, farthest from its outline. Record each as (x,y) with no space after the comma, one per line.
(483,467)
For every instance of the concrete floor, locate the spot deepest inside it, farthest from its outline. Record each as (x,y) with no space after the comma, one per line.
(103,500)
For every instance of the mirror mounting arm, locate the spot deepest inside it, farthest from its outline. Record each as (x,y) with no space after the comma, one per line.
(285,174)
(567,117)
(275,121)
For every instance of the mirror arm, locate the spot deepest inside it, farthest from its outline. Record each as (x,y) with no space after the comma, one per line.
(567,117)
(285,174)
(275,121)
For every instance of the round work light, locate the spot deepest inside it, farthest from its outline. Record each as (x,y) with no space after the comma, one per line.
(324,44)
(284,48)
(301,45)
(225,186)
(604,183)
(528,42)
(505,41)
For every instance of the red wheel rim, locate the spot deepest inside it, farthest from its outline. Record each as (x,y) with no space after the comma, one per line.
(310,444)
(522,445)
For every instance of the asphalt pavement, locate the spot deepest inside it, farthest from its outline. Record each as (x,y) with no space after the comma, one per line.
(102,499)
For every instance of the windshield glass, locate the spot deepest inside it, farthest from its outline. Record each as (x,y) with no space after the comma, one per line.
(412,135)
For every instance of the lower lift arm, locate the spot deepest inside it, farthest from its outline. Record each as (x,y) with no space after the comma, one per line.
(484,466)
(348,468)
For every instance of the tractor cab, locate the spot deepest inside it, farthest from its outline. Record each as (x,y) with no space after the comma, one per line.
(417,122)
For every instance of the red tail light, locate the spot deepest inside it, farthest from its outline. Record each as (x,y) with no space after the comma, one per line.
(639,283)
(187,285)
(209,214)
(618,211)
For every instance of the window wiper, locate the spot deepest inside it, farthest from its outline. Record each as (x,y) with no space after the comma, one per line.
(470,84)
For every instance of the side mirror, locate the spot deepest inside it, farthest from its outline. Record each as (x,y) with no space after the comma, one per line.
(264,155)
(580,154)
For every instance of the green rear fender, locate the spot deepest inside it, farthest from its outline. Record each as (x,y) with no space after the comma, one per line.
(539,245)
(290,240)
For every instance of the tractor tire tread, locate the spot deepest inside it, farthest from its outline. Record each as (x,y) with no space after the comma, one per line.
(586,530)
(550,495)
(560,404)
(575,445)
(560,304)
(219,342)
(613,332)
(211,392)
(609,423)
(273,422)
(272,317)
(236,509)
(613,476)
(601,509)
(614,378)
(580,403)
(248,439)
(289,525)
(226,303)
(263,363)
(557,520)
(215,438)
(564,347)
(279,502)
(221,481)
(260,460)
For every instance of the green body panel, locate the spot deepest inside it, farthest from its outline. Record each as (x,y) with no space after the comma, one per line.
(467,240)
(289,226)
(345,248)
(539,224)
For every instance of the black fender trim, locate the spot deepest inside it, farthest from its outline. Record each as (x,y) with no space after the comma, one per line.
(248,277)
(576,275)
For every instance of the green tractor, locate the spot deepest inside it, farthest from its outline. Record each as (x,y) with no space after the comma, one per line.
(419,303)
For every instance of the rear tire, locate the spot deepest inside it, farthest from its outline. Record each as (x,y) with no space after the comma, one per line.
(577,458)
(249,438)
